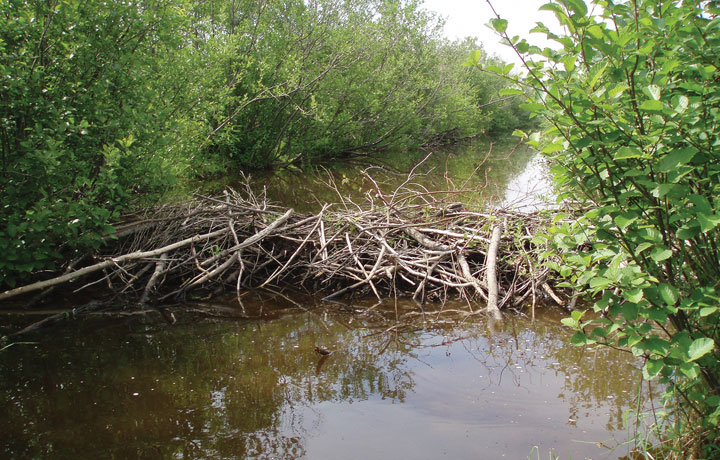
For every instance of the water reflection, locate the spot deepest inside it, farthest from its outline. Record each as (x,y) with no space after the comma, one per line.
(257,389)
(502,173)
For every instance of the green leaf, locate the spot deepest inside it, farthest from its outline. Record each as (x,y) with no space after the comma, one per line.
(633,295)
(600,282)
(690,370)
(578,7)
(688,231)
(511,92)
(700,347)
(500,25)
(531,107)
(652,368)
(552,7)
(642,247)
(682,104)
(474,58)
(624,220)
(708,222)
(652,106)
(630,310)
(659,254)
(596,31)
(654,92)
(656,345)
(618,90)
(701,203)
(579,338)
(625,153)
(676,158)
(668,293)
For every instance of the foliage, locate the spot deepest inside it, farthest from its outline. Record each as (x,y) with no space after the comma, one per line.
(108,103)
(632,103)
(90,98)
(345,77)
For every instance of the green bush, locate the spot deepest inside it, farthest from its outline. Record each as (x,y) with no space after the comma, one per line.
(84,121)
(632,101)
(351,77)
(104,105)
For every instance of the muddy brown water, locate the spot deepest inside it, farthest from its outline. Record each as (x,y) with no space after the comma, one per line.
(428,386)
(402,382)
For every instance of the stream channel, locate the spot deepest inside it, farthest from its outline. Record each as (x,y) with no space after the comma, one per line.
(402,382)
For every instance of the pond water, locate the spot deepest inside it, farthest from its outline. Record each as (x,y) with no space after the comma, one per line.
(400,383)
(505,173)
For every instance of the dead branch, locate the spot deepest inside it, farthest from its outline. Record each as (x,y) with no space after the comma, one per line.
(410,241)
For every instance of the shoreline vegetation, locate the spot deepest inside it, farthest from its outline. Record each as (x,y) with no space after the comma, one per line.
(629,100)
(108,106)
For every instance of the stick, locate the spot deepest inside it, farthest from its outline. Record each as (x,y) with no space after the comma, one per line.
(491,274)
(108,263)
(546,287)
(159,267)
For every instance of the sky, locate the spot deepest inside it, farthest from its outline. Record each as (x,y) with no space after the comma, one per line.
(468,18)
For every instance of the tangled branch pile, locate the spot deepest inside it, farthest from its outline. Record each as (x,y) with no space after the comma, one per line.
(409,242)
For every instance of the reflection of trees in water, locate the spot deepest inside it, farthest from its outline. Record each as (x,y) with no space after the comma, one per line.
(250,390)
(185,392)
(466,168)
(595,381)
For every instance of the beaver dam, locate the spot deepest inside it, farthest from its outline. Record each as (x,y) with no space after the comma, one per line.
(410,242)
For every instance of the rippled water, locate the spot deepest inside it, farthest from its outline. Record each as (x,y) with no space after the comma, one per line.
(395,386)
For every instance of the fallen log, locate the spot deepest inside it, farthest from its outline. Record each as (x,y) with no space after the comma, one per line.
(109,262)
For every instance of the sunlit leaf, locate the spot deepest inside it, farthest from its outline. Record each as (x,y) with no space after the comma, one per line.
(659,254)
(676,158)
(668,293)
(652,106)
(700,347)
(652,368)
(500,25)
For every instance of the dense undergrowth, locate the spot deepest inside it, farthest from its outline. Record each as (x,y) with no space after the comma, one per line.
(107,104)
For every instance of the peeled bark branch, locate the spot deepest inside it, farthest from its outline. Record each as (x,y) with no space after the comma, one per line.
(108,263)
(492,305)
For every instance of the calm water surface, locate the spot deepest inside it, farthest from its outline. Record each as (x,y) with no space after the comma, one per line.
(504,173)
(398,385)
(394,387)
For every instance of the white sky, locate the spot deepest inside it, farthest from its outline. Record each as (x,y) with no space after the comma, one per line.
(468,18)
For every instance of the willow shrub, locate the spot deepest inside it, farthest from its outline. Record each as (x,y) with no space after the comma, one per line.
(327,79)
(91,95)
(632,101)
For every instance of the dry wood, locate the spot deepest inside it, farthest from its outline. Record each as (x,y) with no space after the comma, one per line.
(408,242)
(491,272)
(105,264)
